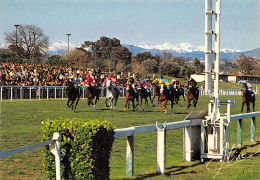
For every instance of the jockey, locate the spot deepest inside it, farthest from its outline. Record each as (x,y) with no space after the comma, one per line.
(173,82)
(178,83)
(161,86)
(193,85)
(89,80)
(108,80)
(246,84)
(133,82)
(144,84)
(76,81)
(155,81)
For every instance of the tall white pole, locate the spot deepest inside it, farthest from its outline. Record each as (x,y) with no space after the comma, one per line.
(208,46)
(217,47)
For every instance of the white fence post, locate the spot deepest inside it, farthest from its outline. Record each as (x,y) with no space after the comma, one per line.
(21,93)
(239,131)
(11,94)
(252,129)
(130,155)
(55,150)
(39,89)
(30,93)
(62,92)
(161,144)
(55,92)
(1,94)
(47,93)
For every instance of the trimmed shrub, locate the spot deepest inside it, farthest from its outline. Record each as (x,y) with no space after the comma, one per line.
(85,147)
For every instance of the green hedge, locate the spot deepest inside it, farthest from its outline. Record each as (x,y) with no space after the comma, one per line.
(85,148)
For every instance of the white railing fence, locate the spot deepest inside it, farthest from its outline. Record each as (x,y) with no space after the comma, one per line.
(54,147)
(161,140)
(130,133)
(55,92)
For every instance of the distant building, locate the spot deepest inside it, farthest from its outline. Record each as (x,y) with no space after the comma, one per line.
(228,78)
(249,78)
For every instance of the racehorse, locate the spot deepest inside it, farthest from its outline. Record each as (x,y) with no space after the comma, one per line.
(130,96)
(92,93)
(192,95)
(247,97)
(172,95)
(180,92)
(73,95)
(156,92)
(144,93)
(164,97)
(112,93)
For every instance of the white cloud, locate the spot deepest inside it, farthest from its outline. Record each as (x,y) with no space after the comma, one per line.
(61,45)
(3,45)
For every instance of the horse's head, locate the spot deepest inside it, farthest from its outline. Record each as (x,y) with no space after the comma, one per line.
(127,87)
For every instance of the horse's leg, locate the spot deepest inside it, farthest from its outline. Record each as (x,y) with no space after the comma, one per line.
(95,102)
(152,99)
(106,102)
(89,101)
(111,103)
(71,104)
(126,102)
(77,101)
(115,104)
(176,99)
(137,100)
(248,107)
(188,104)
(160,106)
(194,103)
(253,104)
(68,102)
(172,102)
(243,103)
(141,100)
(133,102)
(165,106)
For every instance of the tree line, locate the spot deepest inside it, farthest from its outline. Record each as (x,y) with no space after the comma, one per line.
(30,45)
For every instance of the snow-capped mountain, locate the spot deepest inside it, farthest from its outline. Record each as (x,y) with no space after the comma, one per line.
(179,50)
(188,50)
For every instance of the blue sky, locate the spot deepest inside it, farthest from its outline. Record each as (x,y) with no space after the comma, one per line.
(134,21)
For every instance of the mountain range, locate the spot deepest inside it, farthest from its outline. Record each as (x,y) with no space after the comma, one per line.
(186,50)
(189,51)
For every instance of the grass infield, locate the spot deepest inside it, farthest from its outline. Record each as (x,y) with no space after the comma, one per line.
(21,126)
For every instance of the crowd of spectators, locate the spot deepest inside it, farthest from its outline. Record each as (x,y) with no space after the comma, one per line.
(12,74)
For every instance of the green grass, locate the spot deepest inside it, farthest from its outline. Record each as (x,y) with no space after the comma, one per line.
(21,126)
